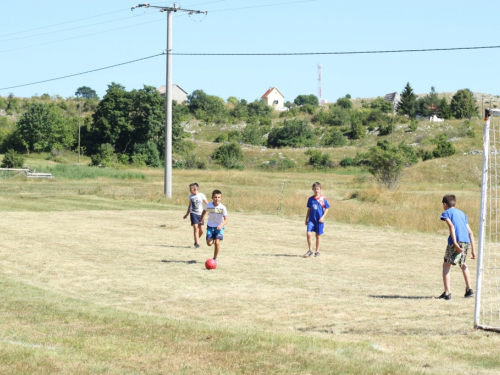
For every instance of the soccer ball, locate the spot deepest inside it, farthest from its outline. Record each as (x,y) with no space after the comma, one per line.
(210,264)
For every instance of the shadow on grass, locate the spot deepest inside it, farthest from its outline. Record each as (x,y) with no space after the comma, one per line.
(399,297)
(280,255)
(172,246)
(180,261)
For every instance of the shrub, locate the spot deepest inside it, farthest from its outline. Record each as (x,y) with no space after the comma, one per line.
(221,138)
(229,155)
(12,159)
(424,154)
(104,155)
(319,159)
(443,149)
(293,133)
(252,134)
(347,162)
(335,139)
(149,153)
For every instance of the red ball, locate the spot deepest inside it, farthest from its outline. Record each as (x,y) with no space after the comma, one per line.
(210,264)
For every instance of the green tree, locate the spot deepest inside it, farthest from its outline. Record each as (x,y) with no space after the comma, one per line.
(382,104)
(386,162)
(252,134)
(292,133)
(445,109)
(229,155)
(259,108)
(335,139)
(307,99)
(443,148)
(206,107)
(12,159)
(344,103)
(86,92)
(42,127)
(408,103)
(358,131)
(463,104)
(319,159)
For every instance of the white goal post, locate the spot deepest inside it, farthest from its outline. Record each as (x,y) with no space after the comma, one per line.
(487,306)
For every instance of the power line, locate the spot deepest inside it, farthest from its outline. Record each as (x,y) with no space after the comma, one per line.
(88,71)
(334,53)
(264,54)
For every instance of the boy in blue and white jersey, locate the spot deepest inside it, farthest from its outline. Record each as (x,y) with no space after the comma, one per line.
(460,240)
(217,219)
(317,208)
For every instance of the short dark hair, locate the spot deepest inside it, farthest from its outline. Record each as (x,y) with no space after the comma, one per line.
(316,184)
(450,200)
(216,192)
(194,184)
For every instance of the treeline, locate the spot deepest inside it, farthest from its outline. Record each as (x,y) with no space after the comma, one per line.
(128,126)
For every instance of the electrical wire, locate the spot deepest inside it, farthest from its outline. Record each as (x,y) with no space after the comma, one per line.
(88,71)
(262,54)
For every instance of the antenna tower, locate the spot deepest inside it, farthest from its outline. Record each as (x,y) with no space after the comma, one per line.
(319,81)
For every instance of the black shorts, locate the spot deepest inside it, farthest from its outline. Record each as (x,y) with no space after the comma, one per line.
(195,219)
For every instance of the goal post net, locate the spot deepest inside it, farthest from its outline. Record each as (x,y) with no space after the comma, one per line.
(487,306)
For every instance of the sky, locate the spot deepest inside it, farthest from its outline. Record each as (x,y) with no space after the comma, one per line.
(44,40)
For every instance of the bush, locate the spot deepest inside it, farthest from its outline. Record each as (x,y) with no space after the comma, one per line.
(104,155)
(335,139)
(221,138)
(147,152)
(12,159)
(252,134)
(413,125)
(319,159)
(229,155)
(347,162)
(443,149)
(293,133)
(424,154)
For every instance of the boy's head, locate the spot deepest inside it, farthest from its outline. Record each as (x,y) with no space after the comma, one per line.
(450,200)
(316,188)
(216,197)
(193,188)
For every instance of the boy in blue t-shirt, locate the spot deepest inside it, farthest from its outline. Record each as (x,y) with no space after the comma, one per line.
(460,240)
(317,208)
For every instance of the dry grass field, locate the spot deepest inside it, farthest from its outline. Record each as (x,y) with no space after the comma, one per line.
(125,292)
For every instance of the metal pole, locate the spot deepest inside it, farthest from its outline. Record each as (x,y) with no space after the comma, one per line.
(482,221)
(168,111)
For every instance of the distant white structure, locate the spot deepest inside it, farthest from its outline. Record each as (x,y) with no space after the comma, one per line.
(394,98)
(274,98)
(434,118)
(178,93)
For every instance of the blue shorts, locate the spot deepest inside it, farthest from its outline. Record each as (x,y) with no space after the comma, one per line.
(195,219)
(315,227)
(213,233)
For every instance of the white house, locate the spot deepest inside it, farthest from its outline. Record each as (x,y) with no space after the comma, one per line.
(394,98)
(178,93)
(274,98)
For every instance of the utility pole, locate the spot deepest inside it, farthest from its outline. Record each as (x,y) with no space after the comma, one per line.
(167,190)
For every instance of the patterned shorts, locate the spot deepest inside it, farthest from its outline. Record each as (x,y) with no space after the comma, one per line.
(454,258)
(214,234)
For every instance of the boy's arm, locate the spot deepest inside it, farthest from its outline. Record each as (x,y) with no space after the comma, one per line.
(187,213)
(307,215)
(324,214)
(202,216)
(473,248)
(223,223)
(453,236)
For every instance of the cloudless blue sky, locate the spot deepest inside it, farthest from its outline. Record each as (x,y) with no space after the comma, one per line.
(41,40)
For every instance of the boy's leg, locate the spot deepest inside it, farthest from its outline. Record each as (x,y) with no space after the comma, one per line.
(465,271)
(216,248)
(200,230)
(318,242)
(446,277)
(196,234)
(309,240)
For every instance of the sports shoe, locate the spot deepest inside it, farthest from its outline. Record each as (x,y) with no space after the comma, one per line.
(469,293)
(196,246)
(216,260)
(308,254)
(316,254)
(445,296)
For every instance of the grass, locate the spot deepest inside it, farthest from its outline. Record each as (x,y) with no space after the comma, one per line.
(102,292)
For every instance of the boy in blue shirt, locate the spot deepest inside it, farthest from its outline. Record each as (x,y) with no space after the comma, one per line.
(460,240)
(317,208)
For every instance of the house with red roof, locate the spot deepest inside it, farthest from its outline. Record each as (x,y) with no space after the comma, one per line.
(274,98)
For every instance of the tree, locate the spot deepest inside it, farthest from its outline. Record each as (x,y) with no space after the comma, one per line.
(259,108)
(463,104)
(335,139)
(87,93)
(382,104)
(293,133)
(12,159)
(408,103)
(307,99)
(229,155)
(386,162)
(42,127)
(206,107)
(344,103)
